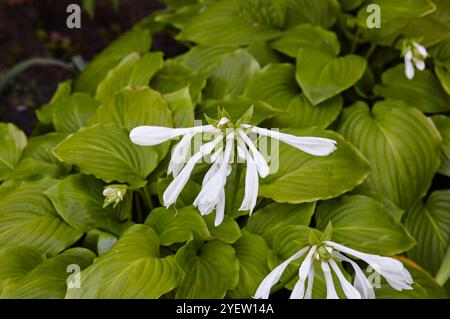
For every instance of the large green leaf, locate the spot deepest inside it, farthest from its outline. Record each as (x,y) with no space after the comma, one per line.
(442,123)
(228,231)
(132,71)
(267,221)
(364,224)
(231,74)
(252,253)
(13,142)
(302,177)
(28,217)
(204,58)
(300,113)
(45,112)
(106,152)
(133,268)
(394,17)
(322,74)
(70,113)
(401,145)
(304,36)
(429,223)
(176,226)
(209,270)
(39,277)
(136,40)
(274,84)
(319,12)
(423,91)
(182,107)
(38,159)
(79,201)
(234,23)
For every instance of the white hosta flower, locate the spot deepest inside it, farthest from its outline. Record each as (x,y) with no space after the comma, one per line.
(391,269)
(212,194)
(414,55)
(114,194)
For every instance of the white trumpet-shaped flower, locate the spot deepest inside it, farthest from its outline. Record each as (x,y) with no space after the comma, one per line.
(226,138)
(327,254)
(414,55)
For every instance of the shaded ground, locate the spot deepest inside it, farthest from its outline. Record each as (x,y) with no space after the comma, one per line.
(31,28)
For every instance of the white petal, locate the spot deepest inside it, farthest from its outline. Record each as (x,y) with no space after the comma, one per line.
(179,155)
(263,290)
(176,186)
(251,184)
(409,68)
(299,289)
(154,135)
(408,55)
(361,283)
(420,64)
(223,121)
(260,161)
(350,291)
(309,289)
(331,291)
(312,145)
(220,209)
(421,49)
(400,280)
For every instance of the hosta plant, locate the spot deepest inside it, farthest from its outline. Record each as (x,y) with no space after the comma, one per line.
(296,148)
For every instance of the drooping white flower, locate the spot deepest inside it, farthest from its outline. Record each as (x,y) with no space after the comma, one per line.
(226,136)
(414,56)
(327,253)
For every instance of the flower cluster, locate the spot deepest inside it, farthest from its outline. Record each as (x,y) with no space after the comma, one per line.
(226,136)
(414,55)
(327,253)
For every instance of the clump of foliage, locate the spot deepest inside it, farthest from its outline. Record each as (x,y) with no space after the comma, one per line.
(79,192)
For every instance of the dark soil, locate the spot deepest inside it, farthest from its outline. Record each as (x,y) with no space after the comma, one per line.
(37,28)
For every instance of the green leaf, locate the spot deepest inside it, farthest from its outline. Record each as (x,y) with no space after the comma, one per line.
(429,223)
(78,200)
(319,12)
(13,142)
(45,113)
(133,268)
(263,53)
(176,226)
(322,74)
(106,152)
(306,36)
(204,59)
(393,18)
(444,76)
(99,241)
(236,106)
(28,217)
(274,84)
(364,224)
(180,103)
(442,123)
(401,145)
(233,23)
(228,231)
(209,271)
(269,220)
(302,177)
(252,253)
(444,270)
(70,113)
(302,114)
(134,70)
(41,277)
(423,91)
(137,40)
(231,75)
(174,76)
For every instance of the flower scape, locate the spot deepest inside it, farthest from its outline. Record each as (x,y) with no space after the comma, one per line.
(289,150)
